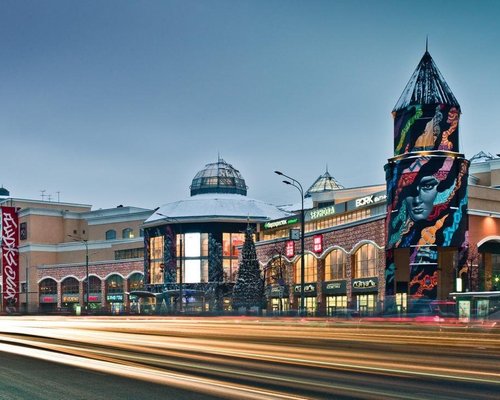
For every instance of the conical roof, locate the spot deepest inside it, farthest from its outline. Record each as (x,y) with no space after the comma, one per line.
(324,183)
(426,87)
(219,177)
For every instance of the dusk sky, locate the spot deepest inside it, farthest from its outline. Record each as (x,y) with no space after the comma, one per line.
(123,102)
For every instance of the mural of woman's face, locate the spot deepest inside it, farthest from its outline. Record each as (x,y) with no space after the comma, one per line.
(421,202)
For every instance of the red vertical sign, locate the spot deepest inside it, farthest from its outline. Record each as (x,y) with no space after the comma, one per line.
(318,243)
(9,235)
(290,249)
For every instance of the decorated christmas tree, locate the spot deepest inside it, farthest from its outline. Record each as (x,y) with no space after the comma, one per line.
(248,290)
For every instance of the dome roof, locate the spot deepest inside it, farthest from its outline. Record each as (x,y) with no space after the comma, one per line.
(219,177)
(4,192)
(325,183)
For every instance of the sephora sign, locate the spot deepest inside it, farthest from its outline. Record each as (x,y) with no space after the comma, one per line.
(9,237)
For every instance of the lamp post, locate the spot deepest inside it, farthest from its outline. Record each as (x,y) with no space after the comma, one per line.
(296,184)
(167,218)
(86,283)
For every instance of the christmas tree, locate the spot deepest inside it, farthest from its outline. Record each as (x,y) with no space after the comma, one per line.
(249,289)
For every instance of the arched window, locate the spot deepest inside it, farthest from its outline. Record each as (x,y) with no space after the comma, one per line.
(365,261)
(70,286)
(111,234)
(136,281)
(114,284)
(310,269)
(47,286)
(335,264)
(276,272)
(127,233)
(95,284)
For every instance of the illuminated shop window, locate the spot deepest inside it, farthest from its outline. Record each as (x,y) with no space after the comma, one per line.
(47,286)
(335,264)
(365,261)
(136,281)
(156,260)
(230,253)
(366,303)
(310,305)
(114,284)
(276,272)
(336,304)
(192,254)
(111,234)
(310,269)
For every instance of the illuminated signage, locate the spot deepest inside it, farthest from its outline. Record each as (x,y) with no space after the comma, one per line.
(9,238)
(308,288)
(322,212)
(290,248)
(372,199)
(114,297)
(281,222)
(335,287)
(365,284)
(70,299)
(48,299)
(318,243)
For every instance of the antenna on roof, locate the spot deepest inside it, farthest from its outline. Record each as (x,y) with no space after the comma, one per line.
(326,167)
(427,44)
(43,194)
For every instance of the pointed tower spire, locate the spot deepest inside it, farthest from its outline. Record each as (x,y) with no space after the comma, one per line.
(427,44)
(426,87)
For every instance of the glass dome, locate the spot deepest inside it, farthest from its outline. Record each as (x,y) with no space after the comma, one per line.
(325,183)
(219,177)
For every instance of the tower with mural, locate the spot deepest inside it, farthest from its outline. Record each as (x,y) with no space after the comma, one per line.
(426,224)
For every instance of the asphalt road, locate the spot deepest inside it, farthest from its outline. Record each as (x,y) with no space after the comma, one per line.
(25,378)
(244,358)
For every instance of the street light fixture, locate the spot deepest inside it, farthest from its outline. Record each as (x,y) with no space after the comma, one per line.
(167,218)
(296,184)
(86,289)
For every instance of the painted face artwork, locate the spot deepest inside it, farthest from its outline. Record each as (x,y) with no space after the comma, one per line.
(427,202)
(420,204)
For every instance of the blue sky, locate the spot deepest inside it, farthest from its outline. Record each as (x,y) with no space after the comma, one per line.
(122,102)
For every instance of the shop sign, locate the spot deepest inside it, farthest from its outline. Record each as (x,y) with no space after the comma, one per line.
(96,298)
(335,287)
(318,243)
(321,212)
(367,200)
(114,297)
(277,291)
(48,299)
(365,285)
(70,299)
(309,288)
(281,222)
(9,238)
(290,249)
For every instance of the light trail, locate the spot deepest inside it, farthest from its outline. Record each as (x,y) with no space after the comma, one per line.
(263,359)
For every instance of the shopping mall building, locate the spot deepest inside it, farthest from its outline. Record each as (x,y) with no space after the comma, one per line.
(432,231)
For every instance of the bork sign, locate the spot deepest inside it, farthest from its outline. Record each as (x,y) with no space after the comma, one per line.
(318,243)
(9,237)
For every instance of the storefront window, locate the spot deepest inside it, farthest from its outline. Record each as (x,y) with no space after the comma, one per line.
(310,305)
(70,286)
(47,286)
(276,272)
(156,250)
(310,269)
(367,303)
(95,284)
(365,261)
(114,284)
(336,305)
(136,281)
(335,264)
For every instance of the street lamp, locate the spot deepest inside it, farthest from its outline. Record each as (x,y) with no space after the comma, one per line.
(296,184)
(86,285)
(167,218)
